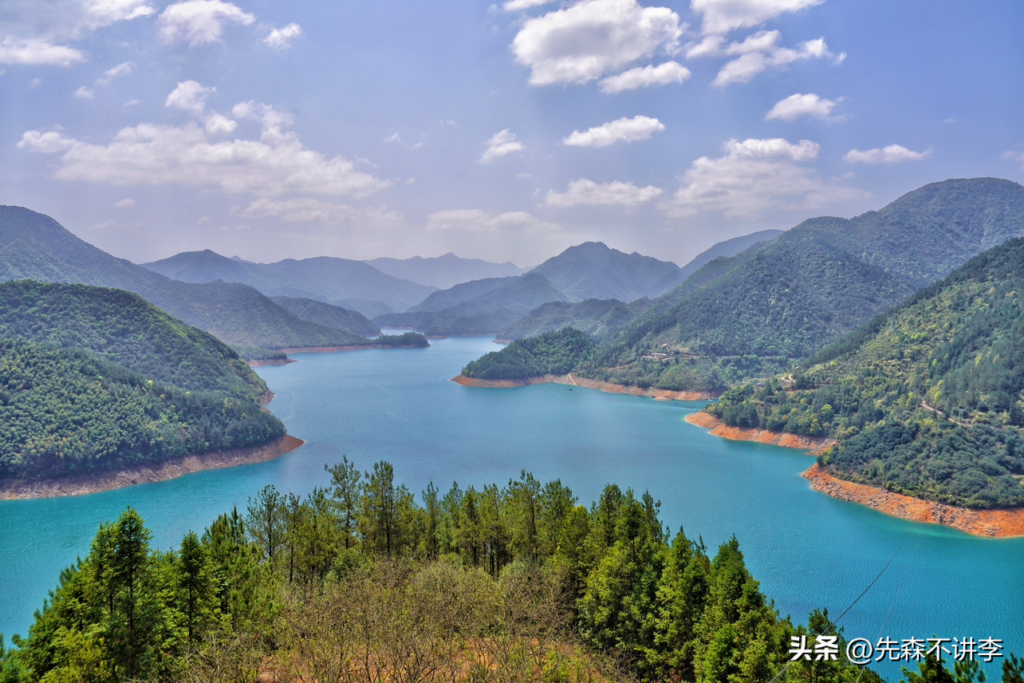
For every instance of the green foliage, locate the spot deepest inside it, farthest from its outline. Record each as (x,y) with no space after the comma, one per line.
(596,317)
(124,328)
(411,340)
(927,400)
(508,583)
(554,353)
(67,410)
(328,315)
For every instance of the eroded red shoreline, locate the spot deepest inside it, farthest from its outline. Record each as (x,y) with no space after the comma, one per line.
(656,394)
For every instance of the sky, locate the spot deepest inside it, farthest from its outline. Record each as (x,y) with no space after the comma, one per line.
(506,131)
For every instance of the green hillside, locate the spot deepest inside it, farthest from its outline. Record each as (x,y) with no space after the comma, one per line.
(126,329)
(554,353)
(594,271)
(926,400)
(34,246)
(486,313)
(328,315)
(596,317)
(68,410)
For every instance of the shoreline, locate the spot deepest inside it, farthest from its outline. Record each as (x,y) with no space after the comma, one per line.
(608,387)
(263,362)
(816,445)
(95,482)
(983,523)
(320,349)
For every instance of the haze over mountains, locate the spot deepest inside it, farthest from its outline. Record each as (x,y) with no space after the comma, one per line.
(443,271)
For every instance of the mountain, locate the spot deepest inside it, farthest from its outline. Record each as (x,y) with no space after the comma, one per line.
(443,271)
(596,317)
(438,301)
(328,315)
(34,246)
(368,309)
(593,271)
(95,378)
(552,353)
(124,328)
(486,313)
(752,314)
(725,249)
(926,399)
(324,278)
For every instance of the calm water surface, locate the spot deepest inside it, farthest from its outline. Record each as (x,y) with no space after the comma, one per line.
(807,550)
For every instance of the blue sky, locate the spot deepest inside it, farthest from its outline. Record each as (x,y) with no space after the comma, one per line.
(500,131)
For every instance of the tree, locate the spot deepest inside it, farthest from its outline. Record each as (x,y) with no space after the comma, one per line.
(345,495)
(265,520)
(130,623)
(380,509)
(194,581)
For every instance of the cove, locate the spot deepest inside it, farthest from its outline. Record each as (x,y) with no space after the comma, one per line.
(807,549)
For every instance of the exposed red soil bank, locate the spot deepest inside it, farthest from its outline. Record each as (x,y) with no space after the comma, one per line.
(656,394)
(989,523)
(94,482)
(814,444)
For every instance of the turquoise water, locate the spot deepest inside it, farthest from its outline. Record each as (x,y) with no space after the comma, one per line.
(807,550)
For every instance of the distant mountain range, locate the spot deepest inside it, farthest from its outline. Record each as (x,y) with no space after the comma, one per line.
(323,278)
(328,315)
(594,271)
(443,271)
(34,246)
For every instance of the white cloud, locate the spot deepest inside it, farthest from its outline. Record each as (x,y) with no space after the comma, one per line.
(308,210)
(281,38)
(132,103)
(615,193)
(645,77)
(759,52)
(125,203)
(152,154)
(475,220)
(516,5)
(754,176)
(200,21)
(893,154)
(795,106)
(218,124)
(723,16)
(394,137)
(1017,157)
(85,93)
(101,13)
(109,75)
(582,42)
(620,130)
(37,53)
(189,96)
(501,143)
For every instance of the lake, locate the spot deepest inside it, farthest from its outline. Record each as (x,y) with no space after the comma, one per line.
(806,549)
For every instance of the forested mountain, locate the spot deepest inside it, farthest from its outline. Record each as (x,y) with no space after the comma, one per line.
(124,328)
(486,313)
(593,271)
(725,249)
(34,246)
(594,316)
(443,271)
(323,278)
(927,399)
(328,315)
(358,581)
(446,298)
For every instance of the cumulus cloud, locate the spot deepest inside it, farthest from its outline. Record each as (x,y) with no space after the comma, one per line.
(125,203)
(189,96)
(893,154)
(795,106)
(757,53)
(645,77)
(152,154)
(37,53)
(620,130)
(281,38)
(516,5)
(122,69)
(723,16)
(582,42)
(754,176)
(475,220)
(309,210)
(501,143)
(101,13)
(85,93)
(200,21)
(616,193)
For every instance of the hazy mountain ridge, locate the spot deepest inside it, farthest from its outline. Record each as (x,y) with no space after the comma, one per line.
(324,278)
(328,315)
(592,270)
(443,271)
(596,317)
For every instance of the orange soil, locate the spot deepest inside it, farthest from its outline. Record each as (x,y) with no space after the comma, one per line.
(815,444)
(93,482)
(656,394)
(988,523)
